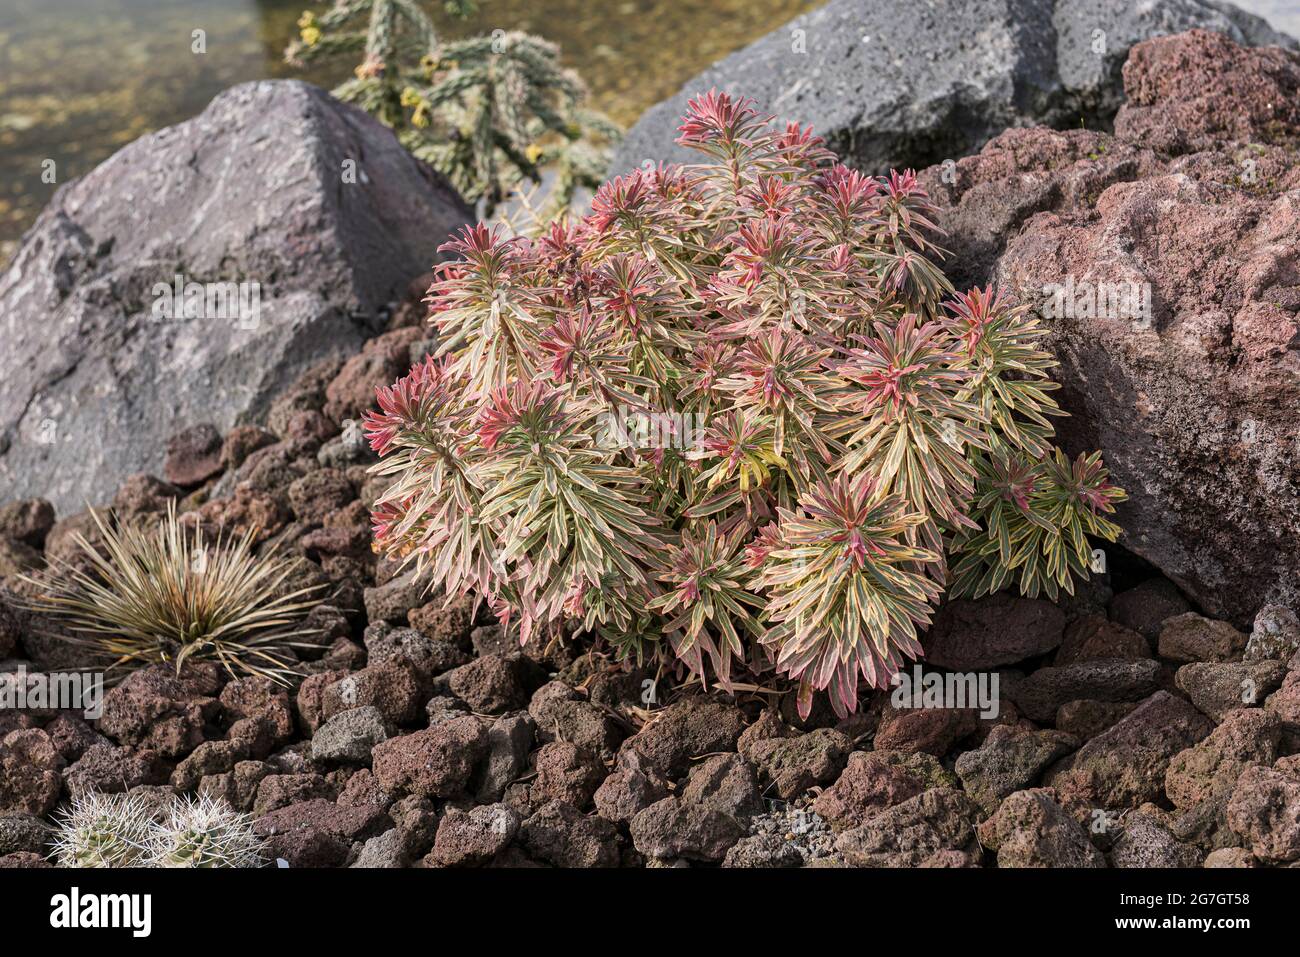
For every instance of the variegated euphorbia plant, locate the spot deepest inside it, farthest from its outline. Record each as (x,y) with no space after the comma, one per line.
(839,436)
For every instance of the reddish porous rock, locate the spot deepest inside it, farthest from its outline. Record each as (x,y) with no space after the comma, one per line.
(1285,703)
(241,442)
(1031,829)
(28,521)
(280,790)
(319,494)
(490,684)
(726,783)
(318,833)
(1125,765)
(260,698)
(921,831)
(932,730)
(790,766)
(1265,812)
(1010,759)
(112,770)
(563,836)
(474,837)
(158,709)
(391,688)
(1189,388)
(1189,637)
(382,360)
(1085,718)
(560,714)
(1217,688)
(436,762)
(1146,842)
(29,773)
(193,455)
(1201,778)
(632,787)
(874,781)
(672,828)
(1002,629)
(687,729)
(1042,693)
(565,773)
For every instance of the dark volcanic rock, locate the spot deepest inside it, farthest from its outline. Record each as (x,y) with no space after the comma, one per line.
(1002,629)
(1201,779)
(1094,636)
(1189,637)
(726,783)
(632,787)
(317,833)
(27,521)
(155,708)
(250,191)
(1040,694)
(1274,636)
(1148,606)
(897,84)
(560,714)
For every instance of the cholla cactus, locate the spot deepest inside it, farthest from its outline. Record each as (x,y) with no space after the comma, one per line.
(104,830)
(163,594)
(488,112)
(860,436)
(123,830)
(204,832)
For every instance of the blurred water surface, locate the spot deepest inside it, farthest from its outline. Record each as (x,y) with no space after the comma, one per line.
(80,78)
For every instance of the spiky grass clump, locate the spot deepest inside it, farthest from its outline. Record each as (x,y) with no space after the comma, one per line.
(205,832)
(104,830)
(122,830)
(164,594)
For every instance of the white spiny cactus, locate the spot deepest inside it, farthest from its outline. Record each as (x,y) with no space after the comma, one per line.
(123,830)
(104,830)
(205,832)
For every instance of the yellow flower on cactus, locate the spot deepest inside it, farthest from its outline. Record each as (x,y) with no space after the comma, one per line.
(420,117)
(410,97)
(533,152)
(307,19)
(311,36)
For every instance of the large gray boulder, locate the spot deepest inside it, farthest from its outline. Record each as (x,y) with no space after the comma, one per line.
(895,83)
(308,203)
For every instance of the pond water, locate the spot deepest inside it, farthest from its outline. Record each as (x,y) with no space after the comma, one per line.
(80,78)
